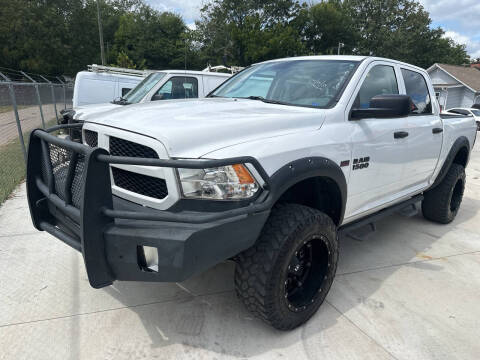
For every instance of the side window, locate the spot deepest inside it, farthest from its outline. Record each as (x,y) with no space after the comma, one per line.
(459,111)
(178,87)
(417,89)
(380,80)
(125,91)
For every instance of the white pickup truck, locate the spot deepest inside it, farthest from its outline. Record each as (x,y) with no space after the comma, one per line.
(267,171)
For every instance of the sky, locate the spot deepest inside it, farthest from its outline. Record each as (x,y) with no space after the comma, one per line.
(459,18)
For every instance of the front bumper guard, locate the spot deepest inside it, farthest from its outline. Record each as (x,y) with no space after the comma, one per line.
(70,196)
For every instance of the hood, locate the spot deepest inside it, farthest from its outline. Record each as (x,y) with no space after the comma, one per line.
(192,128)
(86,111)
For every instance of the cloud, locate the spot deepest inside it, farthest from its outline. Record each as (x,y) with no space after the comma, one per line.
(188,9)
(473,46)
(459,19)
(463,13)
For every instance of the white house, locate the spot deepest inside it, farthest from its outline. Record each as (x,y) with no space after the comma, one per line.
(455,86)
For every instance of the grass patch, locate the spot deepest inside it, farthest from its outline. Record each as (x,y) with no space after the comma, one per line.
(7,108)
(12,165)
(12,168)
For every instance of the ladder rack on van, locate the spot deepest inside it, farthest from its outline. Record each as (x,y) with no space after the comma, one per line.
(218,68)
(117,70)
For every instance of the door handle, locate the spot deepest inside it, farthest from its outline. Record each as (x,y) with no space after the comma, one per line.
(400,134)
(437,130)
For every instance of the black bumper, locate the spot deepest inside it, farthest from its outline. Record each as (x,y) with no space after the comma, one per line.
(183,249)
(69,196)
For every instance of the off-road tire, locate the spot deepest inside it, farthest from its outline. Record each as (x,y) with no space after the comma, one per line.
(441,203)
(261,270)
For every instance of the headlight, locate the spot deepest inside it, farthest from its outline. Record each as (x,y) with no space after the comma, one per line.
(222,183)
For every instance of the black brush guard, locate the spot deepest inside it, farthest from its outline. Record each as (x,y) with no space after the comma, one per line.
(69,195)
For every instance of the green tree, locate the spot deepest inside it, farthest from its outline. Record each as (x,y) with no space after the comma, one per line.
(157,39)
(400,29)
(61,36)
(248,31)
(326,24)
(124,61)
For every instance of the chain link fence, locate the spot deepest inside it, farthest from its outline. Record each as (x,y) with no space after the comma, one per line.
(27,101)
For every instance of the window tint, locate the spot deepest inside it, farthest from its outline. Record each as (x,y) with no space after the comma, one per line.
(417,89)
(459,111)
(380,80)
(178,87)
(125,91)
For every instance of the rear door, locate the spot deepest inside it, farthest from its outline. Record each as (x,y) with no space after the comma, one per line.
(377,175)
(425,130)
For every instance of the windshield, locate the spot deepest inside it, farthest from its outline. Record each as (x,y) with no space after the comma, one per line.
(314,83)
(475,112)
(143,88)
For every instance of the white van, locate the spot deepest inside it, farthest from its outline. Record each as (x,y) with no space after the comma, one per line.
(159,85)
(101,84)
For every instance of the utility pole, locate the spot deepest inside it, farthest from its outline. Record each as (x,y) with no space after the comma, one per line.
(100,33)
(340,45)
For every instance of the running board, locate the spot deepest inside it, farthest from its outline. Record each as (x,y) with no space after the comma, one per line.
(373,218)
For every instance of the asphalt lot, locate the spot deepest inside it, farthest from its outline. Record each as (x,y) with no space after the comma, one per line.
(409,291)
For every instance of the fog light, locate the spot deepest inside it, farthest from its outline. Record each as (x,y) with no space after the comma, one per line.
(148,258)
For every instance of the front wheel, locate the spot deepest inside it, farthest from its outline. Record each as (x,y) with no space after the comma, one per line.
(284,278)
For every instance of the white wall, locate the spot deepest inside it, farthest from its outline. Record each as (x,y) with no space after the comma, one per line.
(441,77)
(455,97)
(468,98)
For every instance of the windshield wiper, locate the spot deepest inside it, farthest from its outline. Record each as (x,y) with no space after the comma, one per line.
(120,101)
(261,98)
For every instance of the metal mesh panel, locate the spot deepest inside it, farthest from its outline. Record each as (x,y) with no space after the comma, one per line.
(44,169)
(60,159)
(121,147)
(77,181)
(140,184)
(91,138)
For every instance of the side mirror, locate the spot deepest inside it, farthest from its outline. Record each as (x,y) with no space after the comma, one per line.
(384,106)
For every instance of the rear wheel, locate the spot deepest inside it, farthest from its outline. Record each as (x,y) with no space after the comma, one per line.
(441,204)
(284,278)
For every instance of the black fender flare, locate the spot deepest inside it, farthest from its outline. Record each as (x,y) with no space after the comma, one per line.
(305,168)
(459,144)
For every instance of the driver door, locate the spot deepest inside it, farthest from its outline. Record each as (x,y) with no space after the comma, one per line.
(377,167)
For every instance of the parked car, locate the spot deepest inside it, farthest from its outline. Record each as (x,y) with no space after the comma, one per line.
(467,111)
(266,171)
(102,84)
